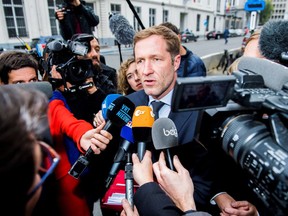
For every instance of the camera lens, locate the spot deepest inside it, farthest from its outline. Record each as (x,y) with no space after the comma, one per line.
(240,134)
(79,71)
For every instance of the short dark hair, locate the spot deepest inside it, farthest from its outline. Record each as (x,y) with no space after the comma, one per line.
(171,26)
(14,60)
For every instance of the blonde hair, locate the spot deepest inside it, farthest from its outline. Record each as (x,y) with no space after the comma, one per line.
(123,85)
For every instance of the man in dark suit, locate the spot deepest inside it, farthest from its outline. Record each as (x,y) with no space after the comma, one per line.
(157,55)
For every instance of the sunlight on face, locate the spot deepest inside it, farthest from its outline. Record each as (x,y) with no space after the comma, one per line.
(155,66)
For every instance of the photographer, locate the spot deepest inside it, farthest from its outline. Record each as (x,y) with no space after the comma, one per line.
(75,17)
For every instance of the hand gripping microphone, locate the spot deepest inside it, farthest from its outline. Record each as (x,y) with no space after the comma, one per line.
(119,113)
(106,102)
(121,29)
(142,121)
(127,139)
(165,136)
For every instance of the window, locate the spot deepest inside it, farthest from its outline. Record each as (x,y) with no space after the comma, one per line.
(152,16)
(14,17)
(52,5)
(136,24)
(116,8)
(165,15)
(198,22)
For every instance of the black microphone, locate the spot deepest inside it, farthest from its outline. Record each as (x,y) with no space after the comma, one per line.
(127,139)
(43,86)
(275,75)
(142,121)
(165,136)
(119,113)
(121,29)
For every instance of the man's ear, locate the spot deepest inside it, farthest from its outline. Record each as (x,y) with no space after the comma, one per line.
(177,60)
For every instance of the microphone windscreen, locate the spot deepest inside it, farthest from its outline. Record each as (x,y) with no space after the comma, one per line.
(121,29)
(142,121)
(120,111)
(106,102)
(275,75)
(43,86)
(164,134)
(126,133)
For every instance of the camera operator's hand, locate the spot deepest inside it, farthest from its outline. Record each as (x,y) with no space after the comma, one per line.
(241,208)
(177,185)
(59,14)
(97,138)
(142,170)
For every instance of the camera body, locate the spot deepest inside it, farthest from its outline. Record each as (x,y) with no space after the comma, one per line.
(65,55)
(251,127)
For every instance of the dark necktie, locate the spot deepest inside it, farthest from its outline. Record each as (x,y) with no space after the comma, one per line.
(156,107)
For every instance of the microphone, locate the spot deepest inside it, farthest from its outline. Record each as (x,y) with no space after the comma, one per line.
(119,113)
(271,41)
(106,102)
(165,136)
(121,29)
(275,75)
(43,86)
(142,121)
(127,139)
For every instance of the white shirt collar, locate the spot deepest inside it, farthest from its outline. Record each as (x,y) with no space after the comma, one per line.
(166,99)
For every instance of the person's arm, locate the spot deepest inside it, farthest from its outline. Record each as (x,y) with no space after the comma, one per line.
(89,13)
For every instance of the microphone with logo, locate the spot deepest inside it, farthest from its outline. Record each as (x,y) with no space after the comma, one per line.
(165,136)
(142,121)
(127,139)
(119,113)
(106,102)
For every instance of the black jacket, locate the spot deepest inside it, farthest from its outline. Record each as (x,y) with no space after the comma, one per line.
(83,13)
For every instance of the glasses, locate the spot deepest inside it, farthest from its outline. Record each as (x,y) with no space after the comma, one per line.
(50,160)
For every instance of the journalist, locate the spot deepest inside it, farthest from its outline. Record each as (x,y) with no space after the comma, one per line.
(105,76)
(23,120)
(75,17)
(17,67)
(75,99)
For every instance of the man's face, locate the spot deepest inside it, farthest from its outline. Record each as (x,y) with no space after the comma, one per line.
(155,66)
(94,53)
(22,75)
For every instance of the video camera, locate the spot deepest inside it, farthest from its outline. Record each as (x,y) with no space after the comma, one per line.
(72,69)
(250,123)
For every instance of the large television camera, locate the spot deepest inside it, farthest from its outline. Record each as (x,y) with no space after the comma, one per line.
(67,57)
(250,123)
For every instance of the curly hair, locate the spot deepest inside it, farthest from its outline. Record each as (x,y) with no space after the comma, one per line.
(123,85)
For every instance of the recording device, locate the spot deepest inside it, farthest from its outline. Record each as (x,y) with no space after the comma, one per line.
(121,29)
(142,121)
(119,113)
(165,136)
(106,102)
(65,56)
(252,127)
(126,141)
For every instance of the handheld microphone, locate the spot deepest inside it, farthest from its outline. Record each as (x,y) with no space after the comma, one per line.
(106,102)
(119,113)
(165,136)
(127,139)
(142,121)
(121,29)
